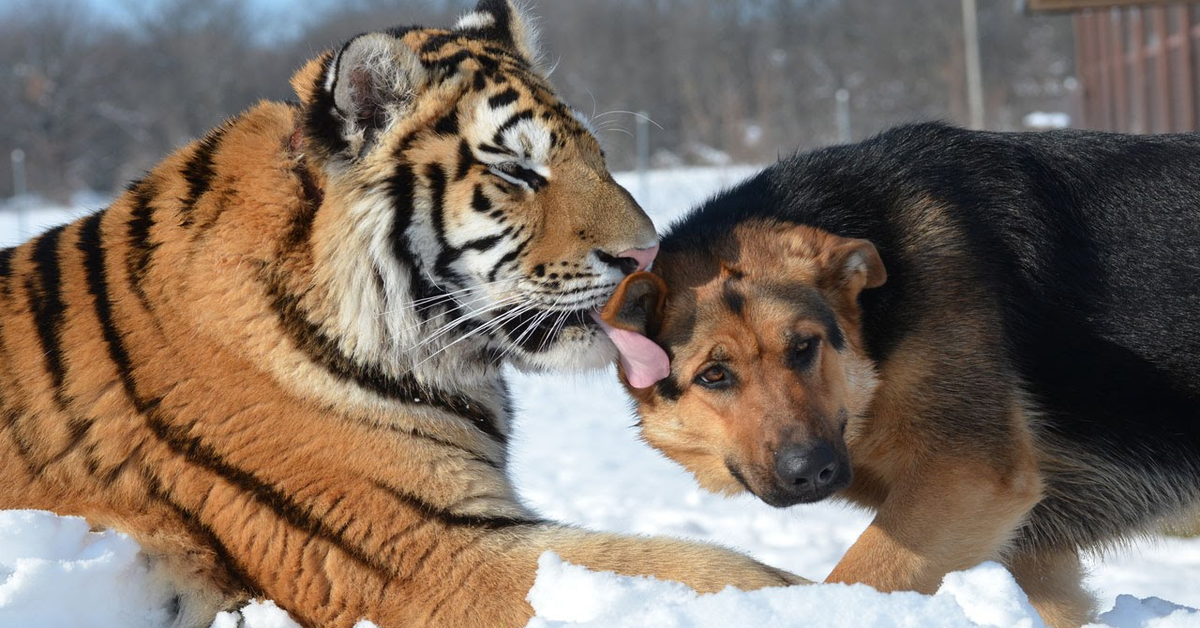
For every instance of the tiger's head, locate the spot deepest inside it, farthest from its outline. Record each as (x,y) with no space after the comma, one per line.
(464,202)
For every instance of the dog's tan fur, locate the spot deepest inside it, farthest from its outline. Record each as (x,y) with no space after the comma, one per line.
(184,370)
(941,504)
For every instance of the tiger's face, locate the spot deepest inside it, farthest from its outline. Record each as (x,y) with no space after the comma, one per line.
(486,200)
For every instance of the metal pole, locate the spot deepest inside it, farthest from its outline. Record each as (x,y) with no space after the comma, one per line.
(18,169)
(843,115)
(643,156)
(974,70)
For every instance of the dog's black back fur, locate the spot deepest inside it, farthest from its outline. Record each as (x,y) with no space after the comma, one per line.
(1088,245)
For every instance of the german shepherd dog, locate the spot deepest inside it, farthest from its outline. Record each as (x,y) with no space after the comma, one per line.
(989,339)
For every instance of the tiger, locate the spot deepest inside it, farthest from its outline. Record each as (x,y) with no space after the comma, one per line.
(276,360)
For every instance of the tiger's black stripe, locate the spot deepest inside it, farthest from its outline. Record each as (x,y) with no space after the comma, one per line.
(195,451)
(300,231)
(508,258)
(453,519)
(434,44)
(449,594)
(504,98)
(466,160)
(414,433)
(449,65)
(516,119)
(480,202)
(141,247)
(198,172)
(91,244)
(496,150)
(241,579)
(530,178)
(483,244)
(6,256)
(49,310)
(447,124)
(78,427)
(448,253)
(402,186)
(322,350)
(11,422)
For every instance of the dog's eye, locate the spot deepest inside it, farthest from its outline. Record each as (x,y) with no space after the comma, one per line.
(802,353)
(715,376)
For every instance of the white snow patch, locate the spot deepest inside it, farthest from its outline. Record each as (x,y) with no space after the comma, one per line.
(265,614)
(569,595)
(1151,612)
(1044,120)
(54,571)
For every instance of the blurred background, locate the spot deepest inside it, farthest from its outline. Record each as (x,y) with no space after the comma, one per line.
(97,91)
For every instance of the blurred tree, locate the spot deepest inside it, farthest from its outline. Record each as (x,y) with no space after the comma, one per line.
(94,101)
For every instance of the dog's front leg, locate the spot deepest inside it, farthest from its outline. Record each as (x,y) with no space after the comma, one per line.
(945,516)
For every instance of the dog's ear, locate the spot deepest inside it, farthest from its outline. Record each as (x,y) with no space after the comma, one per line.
(850,265)
(357,92)
(505,23)
(638,304)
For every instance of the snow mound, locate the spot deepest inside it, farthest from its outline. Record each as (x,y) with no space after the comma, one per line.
(1151,612)
(54,571)
(569,595)
(257,614)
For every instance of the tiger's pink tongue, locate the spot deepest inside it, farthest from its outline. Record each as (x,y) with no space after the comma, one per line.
(644,362)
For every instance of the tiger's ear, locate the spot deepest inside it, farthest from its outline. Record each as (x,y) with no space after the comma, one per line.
(371,82)
(504,22)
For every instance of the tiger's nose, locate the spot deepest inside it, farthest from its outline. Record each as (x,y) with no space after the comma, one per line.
(631,261)
(643,257)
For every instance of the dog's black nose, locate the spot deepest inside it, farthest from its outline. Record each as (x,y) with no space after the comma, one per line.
(808,468)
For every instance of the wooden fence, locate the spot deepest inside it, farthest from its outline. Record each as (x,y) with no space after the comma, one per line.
(1137,66)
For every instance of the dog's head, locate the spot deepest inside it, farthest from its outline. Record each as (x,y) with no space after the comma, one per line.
(767,366)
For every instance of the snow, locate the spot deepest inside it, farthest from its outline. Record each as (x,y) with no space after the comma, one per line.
(55,572)
(577,458)
(568,595)
(27,216)
(1042,120)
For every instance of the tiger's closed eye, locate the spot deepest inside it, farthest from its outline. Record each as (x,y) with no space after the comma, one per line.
(518,174)
(510,168)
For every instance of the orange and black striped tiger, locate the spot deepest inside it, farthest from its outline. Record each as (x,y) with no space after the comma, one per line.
(275,361)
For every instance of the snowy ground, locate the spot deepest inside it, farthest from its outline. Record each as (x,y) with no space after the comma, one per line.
(577,459)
